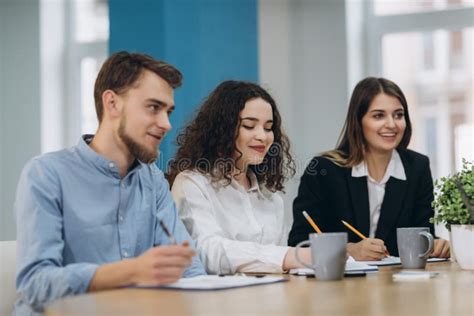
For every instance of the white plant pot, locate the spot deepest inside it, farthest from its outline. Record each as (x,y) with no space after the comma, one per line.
(463,245)
(453,255)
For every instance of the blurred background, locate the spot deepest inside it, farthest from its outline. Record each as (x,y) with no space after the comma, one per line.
(309,54)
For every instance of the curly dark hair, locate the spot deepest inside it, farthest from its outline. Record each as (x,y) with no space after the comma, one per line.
(208,143)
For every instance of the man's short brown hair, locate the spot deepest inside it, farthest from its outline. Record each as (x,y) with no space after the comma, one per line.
(122,70)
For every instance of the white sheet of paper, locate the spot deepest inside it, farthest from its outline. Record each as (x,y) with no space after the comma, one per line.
(215,282)
(414,275)
(389,261)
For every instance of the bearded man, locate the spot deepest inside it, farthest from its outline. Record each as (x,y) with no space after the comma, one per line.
(88,217)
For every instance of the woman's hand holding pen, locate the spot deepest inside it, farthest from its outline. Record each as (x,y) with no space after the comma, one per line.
(162,265)
(367,249)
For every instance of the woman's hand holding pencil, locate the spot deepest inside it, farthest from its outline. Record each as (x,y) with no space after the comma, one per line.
(368,248)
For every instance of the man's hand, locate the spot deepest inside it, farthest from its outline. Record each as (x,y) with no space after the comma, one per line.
(162,265)
(157,266)
(440,249)
(368,249)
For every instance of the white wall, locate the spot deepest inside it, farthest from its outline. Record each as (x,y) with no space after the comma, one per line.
(303,63)
(19,100)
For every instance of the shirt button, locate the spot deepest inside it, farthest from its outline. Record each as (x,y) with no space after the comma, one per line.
(111,165)
(122,184)
(125,254)
(121,218)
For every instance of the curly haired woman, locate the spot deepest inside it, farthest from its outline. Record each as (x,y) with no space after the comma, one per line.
(232,160)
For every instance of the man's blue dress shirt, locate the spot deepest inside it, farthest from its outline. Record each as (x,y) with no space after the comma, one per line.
(74,213)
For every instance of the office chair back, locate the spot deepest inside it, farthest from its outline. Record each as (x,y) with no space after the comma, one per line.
(7,276)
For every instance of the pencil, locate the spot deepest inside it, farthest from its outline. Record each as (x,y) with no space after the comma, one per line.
(311,222)
(358,233)
(355,231)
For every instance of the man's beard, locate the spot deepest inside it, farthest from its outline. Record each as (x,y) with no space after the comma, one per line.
(137,150)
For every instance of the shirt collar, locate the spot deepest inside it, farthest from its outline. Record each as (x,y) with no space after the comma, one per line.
(398,171)
(394,169)
(253,181)
(254,185)
(106,166)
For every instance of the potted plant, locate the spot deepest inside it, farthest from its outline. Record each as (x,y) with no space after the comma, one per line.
(454,207)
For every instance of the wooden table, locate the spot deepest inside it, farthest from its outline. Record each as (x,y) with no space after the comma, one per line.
(451,293)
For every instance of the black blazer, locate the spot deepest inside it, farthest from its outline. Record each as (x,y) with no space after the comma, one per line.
(330,194)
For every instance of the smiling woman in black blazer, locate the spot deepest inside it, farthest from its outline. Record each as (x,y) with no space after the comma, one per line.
(371,180)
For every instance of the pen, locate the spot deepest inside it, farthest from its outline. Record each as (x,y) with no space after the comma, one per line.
(255,275)
(311,222)
(167,232)
(358,233)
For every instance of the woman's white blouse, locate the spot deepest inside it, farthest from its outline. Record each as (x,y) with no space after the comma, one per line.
(376,189)
(235,230)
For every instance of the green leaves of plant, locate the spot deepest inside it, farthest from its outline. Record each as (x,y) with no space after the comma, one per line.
(448,203)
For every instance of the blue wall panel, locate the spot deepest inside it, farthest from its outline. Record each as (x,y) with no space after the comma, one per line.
(207,40)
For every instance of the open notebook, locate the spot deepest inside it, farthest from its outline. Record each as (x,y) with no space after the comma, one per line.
(215,282)
(353,266)
(391,261)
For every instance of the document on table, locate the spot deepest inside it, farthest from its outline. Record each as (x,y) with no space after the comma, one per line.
(215,282)
(351,266)
(391,261)
(414,275)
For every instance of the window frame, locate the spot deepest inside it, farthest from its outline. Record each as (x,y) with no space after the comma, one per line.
(75,52)
(426,21)
(61,56)
(377,26)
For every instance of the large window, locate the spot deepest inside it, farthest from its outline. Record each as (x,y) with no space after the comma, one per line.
(90,29)
(436,74)
(426,47)
(74,44)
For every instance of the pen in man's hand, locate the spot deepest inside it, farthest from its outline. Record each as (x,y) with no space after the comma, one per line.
(167,232)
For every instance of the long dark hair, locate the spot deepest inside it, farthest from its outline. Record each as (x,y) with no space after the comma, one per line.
(350,147)
(207,143)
